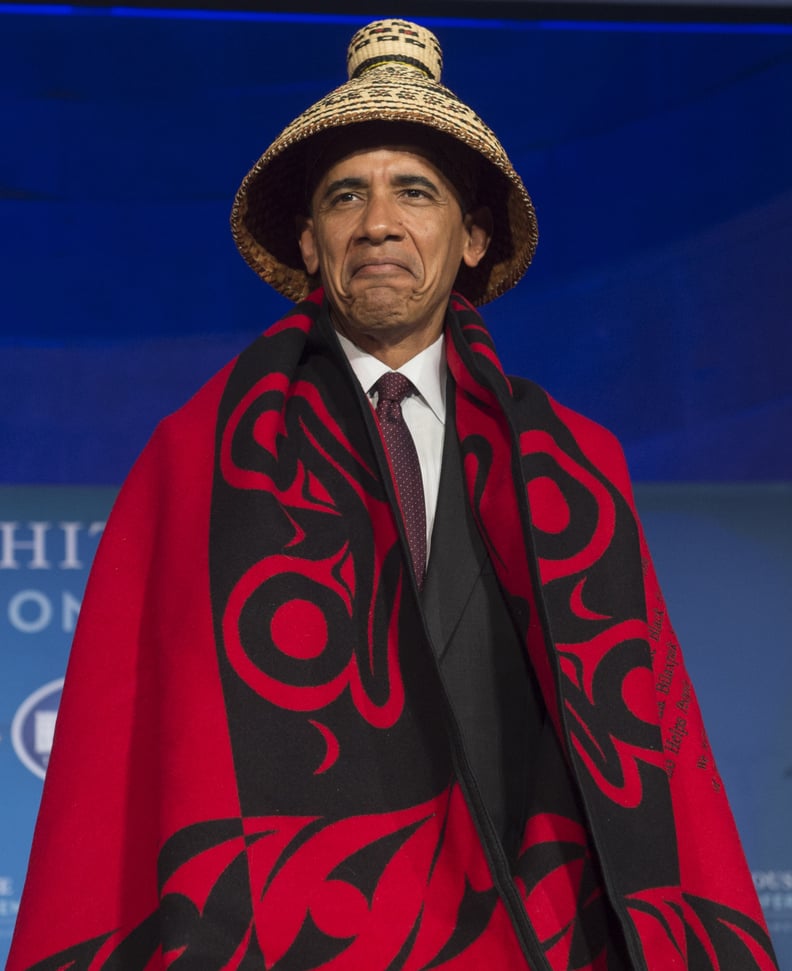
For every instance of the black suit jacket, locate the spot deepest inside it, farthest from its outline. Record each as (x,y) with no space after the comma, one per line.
(482,663)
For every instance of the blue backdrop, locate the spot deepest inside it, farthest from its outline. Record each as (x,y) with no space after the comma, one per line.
(659,159)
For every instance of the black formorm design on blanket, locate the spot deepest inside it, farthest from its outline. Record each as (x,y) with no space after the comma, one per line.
(343,832)
(321,640)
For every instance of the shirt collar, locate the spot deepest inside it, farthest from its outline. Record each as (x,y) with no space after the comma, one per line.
(427,371)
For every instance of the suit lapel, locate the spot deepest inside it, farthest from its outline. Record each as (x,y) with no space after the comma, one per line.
(457,554)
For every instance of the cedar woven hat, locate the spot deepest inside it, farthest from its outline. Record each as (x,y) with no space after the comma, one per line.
(394,76)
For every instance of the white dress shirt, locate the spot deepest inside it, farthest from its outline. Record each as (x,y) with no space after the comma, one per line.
(424,413)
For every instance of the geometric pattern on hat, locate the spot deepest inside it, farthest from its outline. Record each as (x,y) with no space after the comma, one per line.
(394,70)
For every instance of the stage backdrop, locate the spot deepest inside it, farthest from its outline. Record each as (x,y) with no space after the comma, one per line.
(659,159)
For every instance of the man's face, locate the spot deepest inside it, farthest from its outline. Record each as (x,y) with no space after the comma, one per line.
(387,236)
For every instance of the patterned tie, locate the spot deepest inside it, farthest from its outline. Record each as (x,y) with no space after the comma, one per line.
(392,388)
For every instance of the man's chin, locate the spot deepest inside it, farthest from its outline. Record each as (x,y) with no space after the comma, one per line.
(378,306)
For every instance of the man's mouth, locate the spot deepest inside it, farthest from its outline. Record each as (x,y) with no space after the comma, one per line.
(380,267)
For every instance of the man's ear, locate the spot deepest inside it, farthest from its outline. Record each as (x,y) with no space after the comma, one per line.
(478,223)
(307,243)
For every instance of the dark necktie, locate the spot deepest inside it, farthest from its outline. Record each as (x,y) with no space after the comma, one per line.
(392,388)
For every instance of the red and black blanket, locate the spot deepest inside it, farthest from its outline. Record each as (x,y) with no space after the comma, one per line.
(255,765)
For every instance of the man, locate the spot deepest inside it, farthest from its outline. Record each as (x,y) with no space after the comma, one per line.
(373,671)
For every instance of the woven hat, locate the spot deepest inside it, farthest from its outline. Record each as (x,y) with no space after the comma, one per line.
(394,77)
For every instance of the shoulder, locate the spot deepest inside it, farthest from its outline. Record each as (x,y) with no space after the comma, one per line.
(183,443)
(191,427)
(533,406)
(173,473)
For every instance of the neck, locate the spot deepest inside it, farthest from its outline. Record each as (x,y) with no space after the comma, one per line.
(394,347)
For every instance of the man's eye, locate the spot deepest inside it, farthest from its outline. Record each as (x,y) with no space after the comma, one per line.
(342,197)
(416,193)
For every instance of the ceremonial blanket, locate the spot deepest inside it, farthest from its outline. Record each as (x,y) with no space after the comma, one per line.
(256,764)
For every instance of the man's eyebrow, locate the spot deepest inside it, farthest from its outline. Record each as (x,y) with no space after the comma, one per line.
(339,185)
(407,181)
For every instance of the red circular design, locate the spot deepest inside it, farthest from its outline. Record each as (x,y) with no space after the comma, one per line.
(549,508)
(639,695)
(339,909)
(299,629)
(266,428)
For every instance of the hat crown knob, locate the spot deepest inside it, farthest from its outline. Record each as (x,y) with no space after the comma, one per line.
(394,41)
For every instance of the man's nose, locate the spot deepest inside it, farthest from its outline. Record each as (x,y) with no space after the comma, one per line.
(381,218)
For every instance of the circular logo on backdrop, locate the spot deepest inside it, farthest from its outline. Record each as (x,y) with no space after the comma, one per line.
(33,727)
